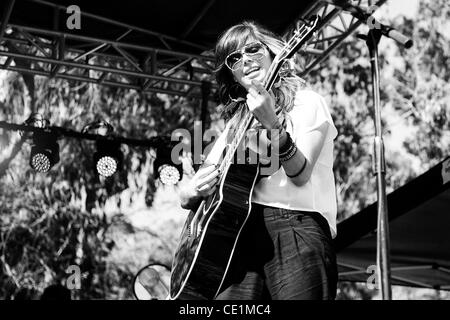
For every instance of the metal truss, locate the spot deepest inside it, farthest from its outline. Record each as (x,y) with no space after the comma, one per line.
(356,270)
(26,129)
(105,61)
(119,63)
(336,25)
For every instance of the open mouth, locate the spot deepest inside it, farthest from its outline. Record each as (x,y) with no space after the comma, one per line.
(251,71)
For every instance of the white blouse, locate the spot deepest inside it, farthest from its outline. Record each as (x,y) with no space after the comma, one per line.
(310,111)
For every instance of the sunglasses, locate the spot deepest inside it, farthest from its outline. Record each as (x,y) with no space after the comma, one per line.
(254,50)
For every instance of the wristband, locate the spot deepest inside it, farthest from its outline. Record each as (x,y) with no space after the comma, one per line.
(287,146)
(299,172)
(288,155)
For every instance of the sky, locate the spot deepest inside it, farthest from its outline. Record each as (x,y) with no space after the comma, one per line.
(394,8)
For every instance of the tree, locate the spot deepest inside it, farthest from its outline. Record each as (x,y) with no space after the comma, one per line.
(51,221)
(415,109)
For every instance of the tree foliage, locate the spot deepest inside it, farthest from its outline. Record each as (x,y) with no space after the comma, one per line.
(54,220)
(414,99)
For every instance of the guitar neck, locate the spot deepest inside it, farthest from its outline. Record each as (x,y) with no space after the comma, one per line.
(292,46)
(247,120)
(272,74)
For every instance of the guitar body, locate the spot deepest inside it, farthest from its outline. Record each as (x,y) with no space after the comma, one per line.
(206,246)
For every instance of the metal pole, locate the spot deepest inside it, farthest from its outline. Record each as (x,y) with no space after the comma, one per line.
(152,142)
(5,18)
(379,166)
(204,116)
(197,19)
(110,42)
(99,68)
(94,52)
(91,80)
(125,25)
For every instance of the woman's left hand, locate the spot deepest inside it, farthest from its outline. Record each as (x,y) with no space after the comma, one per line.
(262,105)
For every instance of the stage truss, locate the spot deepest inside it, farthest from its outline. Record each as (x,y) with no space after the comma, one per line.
(117,62)
(361,273)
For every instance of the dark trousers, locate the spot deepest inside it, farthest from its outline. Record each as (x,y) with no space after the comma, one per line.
(282,255)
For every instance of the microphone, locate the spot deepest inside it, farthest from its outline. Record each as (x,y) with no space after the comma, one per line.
(366,17)
(397,36)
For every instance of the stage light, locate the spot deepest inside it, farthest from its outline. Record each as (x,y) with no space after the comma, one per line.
(44,149)
(44,152)
(165,169)
(108,158)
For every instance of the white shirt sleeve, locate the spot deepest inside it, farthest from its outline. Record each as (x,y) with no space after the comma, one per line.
(309,113)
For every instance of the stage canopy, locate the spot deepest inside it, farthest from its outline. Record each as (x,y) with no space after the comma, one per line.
(419,223)
(155,46)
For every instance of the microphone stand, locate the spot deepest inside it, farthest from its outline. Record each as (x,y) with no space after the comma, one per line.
(379,169)
(372,39)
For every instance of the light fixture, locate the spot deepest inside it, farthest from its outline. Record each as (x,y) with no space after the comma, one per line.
(108,157)
(44,149)
(44,152)
(165,169)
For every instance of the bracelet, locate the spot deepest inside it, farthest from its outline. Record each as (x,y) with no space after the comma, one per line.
(300,171)
(287,146)
(292,151)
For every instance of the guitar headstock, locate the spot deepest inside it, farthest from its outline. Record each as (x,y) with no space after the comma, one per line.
(300,36)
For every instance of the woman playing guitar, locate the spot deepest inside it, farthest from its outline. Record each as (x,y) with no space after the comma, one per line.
(285,248)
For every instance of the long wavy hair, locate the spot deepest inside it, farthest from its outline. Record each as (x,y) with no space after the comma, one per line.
(232,39)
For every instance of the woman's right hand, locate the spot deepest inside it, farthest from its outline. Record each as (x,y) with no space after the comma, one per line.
(202,184)
(205,180)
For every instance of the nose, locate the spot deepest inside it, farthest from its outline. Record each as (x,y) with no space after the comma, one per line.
(246,58)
